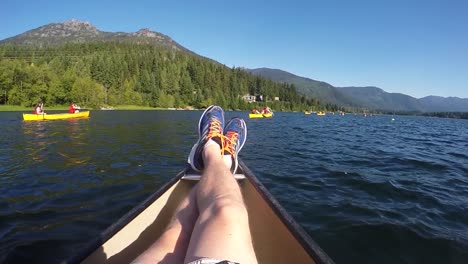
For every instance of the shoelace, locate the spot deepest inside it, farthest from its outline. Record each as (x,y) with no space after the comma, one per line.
(230,142)
(215,131)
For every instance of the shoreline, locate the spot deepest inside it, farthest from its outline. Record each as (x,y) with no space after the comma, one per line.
(17,108)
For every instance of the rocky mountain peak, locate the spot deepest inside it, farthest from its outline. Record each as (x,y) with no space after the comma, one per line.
(76,25)
(69,28)
(146,32)
(75,31)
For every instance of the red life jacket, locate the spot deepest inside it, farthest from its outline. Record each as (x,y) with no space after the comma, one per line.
(71,109)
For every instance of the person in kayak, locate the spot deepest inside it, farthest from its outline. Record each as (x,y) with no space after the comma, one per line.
(211,224)
(38,109)
(73,108)
(265,110)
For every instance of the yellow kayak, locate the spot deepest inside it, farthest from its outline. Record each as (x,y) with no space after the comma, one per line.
(33,117)
(260,115)
(320,113)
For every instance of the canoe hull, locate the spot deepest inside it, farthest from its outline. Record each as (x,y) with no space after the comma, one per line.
(277,238)
(269,115)
(34,117)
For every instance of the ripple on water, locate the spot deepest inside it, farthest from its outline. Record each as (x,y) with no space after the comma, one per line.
(399,242)
(368,190)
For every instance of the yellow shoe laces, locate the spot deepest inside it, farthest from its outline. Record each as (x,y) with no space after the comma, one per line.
(215,130)
(230,142)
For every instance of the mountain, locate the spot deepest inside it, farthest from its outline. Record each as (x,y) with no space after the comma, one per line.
(321,90)
(74,61)
(364,97)
(445,104)
(376,98)
(75,31)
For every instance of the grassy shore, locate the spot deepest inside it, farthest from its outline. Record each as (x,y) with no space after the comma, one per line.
(136,107)
(19,108)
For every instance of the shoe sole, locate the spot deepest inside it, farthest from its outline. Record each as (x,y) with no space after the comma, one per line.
(196,177)
(194,147)
(236,166)
(199,121)
(243,143)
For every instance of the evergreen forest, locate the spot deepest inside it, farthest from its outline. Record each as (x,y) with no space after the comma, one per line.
(108,74)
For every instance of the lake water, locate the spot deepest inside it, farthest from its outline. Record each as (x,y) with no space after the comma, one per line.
(366,189)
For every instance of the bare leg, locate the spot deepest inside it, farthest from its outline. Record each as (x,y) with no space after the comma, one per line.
(173,243)
(222,229)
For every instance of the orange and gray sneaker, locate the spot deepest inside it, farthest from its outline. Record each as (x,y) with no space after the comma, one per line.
(210,126)
(235,135)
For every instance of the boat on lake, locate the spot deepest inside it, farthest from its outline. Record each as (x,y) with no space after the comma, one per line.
(276,237)
(267,115)
(320,113)
(35,117)
(107,108)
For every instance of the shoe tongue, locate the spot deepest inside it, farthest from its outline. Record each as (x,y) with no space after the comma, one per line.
(225,152)
(217,140)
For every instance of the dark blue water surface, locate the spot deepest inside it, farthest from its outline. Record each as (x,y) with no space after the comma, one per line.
(367,189)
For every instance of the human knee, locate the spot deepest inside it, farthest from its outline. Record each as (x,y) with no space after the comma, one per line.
(229,209)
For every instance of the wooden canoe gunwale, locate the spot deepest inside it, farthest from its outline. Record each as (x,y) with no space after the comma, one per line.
(114,228)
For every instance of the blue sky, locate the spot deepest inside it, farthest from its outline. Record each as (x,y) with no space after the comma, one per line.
(417,48)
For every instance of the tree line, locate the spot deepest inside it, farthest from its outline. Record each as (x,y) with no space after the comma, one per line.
(459,115)
(103,74)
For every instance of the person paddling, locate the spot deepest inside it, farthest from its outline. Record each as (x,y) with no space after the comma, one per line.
(73,108)
(38,109)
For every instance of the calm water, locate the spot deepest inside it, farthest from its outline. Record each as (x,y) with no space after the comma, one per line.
(367,189)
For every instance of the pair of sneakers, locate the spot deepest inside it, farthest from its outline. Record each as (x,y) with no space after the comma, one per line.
(230,137)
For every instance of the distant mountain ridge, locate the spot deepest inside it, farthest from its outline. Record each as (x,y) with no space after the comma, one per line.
(321,90)
(445,104)
(74,31)
(80,32)
(364,97)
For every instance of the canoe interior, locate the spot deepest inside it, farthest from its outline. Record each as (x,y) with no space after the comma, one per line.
(276,237)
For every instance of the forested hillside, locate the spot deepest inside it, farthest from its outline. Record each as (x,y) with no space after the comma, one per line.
(110,73)
(323,91)
(364,98)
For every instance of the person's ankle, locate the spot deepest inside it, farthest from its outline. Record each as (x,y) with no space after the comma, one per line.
(210,149)
(212,144)
(227,161)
